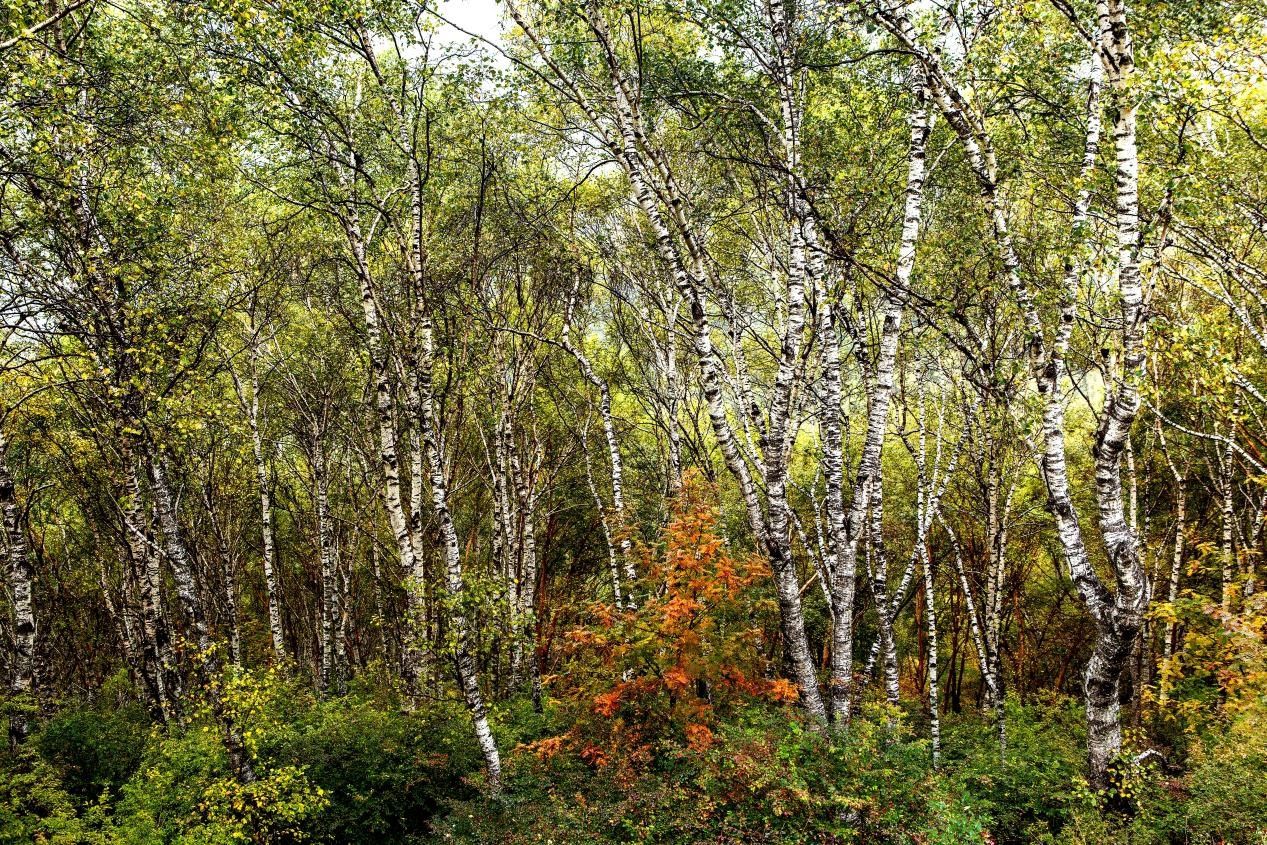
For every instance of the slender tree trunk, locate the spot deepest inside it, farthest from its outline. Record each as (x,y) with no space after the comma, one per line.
(1252,550)
(867,480)
(187,590)
(989,668)
(389,459)
(228,575)
(464,660)
(133,627)
(604,521)
(613,446)
(1118,614)
(144,557)
(228,578)
(673,391)
(1176,564)
(880,590)
(178,556)
(526,584)
(21,586)
(272,589)
(934,700)
(330,611)
(1227,521)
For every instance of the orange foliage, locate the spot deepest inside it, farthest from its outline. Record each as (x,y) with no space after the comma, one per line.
(594,755)
(676,679)
(607,703)
(692,648)
(699,736)
(781,689)
(546,748)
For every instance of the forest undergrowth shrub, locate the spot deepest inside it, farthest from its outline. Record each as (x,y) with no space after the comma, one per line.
(669,722)
(1029,789)
(36,807)
(354,768)
(94,747)
(676,726)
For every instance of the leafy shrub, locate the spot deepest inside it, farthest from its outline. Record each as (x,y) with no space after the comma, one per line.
(764,778)
(676,728)
(692,651)
(1031,790)
(349,769)
(35,807)
(385,772)
(94,747)
(1228,785)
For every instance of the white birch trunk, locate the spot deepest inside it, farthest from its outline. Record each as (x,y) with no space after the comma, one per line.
(613,445)
(934,701)
(1227,520)
(662,202)
(867,480)
(187,590)
(389,460)
(1118,614)
(464,661)
(330,612)
(144,558)
(271,586)
(21,577)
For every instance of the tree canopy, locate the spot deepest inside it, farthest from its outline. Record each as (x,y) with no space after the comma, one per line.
(659,421)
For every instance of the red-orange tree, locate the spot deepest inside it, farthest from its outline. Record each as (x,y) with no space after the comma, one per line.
(694,650)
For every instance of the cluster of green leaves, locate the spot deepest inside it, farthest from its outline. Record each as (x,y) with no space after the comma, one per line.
(359,768)
(362,768)
(763,778)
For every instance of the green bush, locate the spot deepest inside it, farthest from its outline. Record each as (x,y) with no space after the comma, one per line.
(348,769)
(386,772)
(1228,785)
(1032,789)
(764,778)
(35,807)
(94,747)
(362,768)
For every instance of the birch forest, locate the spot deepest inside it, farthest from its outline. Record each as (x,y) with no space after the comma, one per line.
(633,421)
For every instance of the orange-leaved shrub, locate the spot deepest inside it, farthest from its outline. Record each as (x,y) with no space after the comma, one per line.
(692,650)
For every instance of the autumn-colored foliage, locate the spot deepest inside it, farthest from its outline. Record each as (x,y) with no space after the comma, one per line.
(693,649)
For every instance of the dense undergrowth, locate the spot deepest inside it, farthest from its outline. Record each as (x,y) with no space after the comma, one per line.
(668,722)
(361,768)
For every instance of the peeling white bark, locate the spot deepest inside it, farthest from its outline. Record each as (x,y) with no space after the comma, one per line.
(21,578)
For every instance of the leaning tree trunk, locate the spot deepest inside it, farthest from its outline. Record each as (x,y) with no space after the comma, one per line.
(851,528)
(157,655)
(389,459)
(613,446)
(1118,614)
(989,674)
(187,590)
(662,202)
(613,563)
(463,658)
